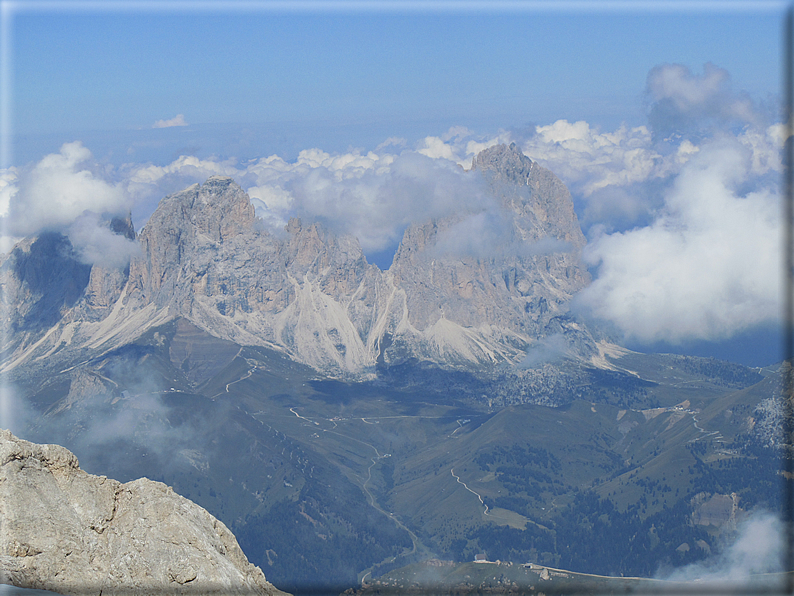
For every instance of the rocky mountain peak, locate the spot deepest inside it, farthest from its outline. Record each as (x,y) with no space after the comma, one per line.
(293,225)
(518,279)
(123,226)
(506,161)
(222,208)
(219,182)
(215,210)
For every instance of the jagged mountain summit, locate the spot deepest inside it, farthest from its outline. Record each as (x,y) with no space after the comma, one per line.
(204,256)
(70,532)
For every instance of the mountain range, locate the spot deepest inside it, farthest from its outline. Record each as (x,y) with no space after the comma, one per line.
(344,421)
(206,257)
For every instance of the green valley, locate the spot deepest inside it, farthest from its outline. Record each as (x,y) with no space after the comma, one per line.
(327,482)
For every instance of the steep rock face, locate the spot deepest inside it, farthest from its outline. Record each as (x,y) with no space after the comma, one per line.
(106,284)
(44,283)
(41,279)
(475,288)
(67,531)
(206,257)
(510,279)
(188,233)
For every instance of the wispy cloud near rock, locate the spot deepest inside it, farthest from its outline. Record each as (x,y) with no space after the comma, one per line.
(55,191)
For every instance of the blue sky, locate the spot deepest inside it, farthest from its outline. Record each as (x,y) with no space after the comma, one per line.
(658,117)
(85,70)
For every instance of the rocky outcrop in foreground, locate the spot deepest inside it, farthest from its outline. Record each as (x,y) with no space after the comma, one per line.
(64,530)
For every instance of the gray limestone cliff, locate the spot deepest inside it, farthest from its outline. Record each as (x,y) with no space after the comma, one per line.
(70,532)
(207,258)
(44,282)
(510,287)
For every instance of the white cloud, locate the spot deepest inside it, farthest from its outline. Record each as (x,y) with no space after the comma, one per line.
(685,90)
(611,175)
(273,198)
(757,549)
(97,244)
(435,148)
(707,267)
(682,100)
(7,243)
(272,204)
(66,192)
(186,166)
(392,142)
(473,147)
(58,189)
(456,133)
(590,160)
(766,145)
(458,146)
(8,189)
(345,165)
(178,120)
(547,349)
(617,178)
(377,203)
(16,411)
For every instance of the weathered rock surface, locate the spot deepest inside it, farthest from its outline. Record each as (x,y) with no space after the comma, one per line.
(206,257)
(70,532)
(488,303)
(42,278)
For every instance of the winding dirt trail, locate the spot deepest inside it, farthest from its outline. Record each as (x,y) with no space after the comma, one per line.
(476,494)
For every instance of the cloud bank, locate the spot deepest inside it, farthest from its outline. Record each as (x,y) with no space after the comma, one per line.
(706,268)
(56,190)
